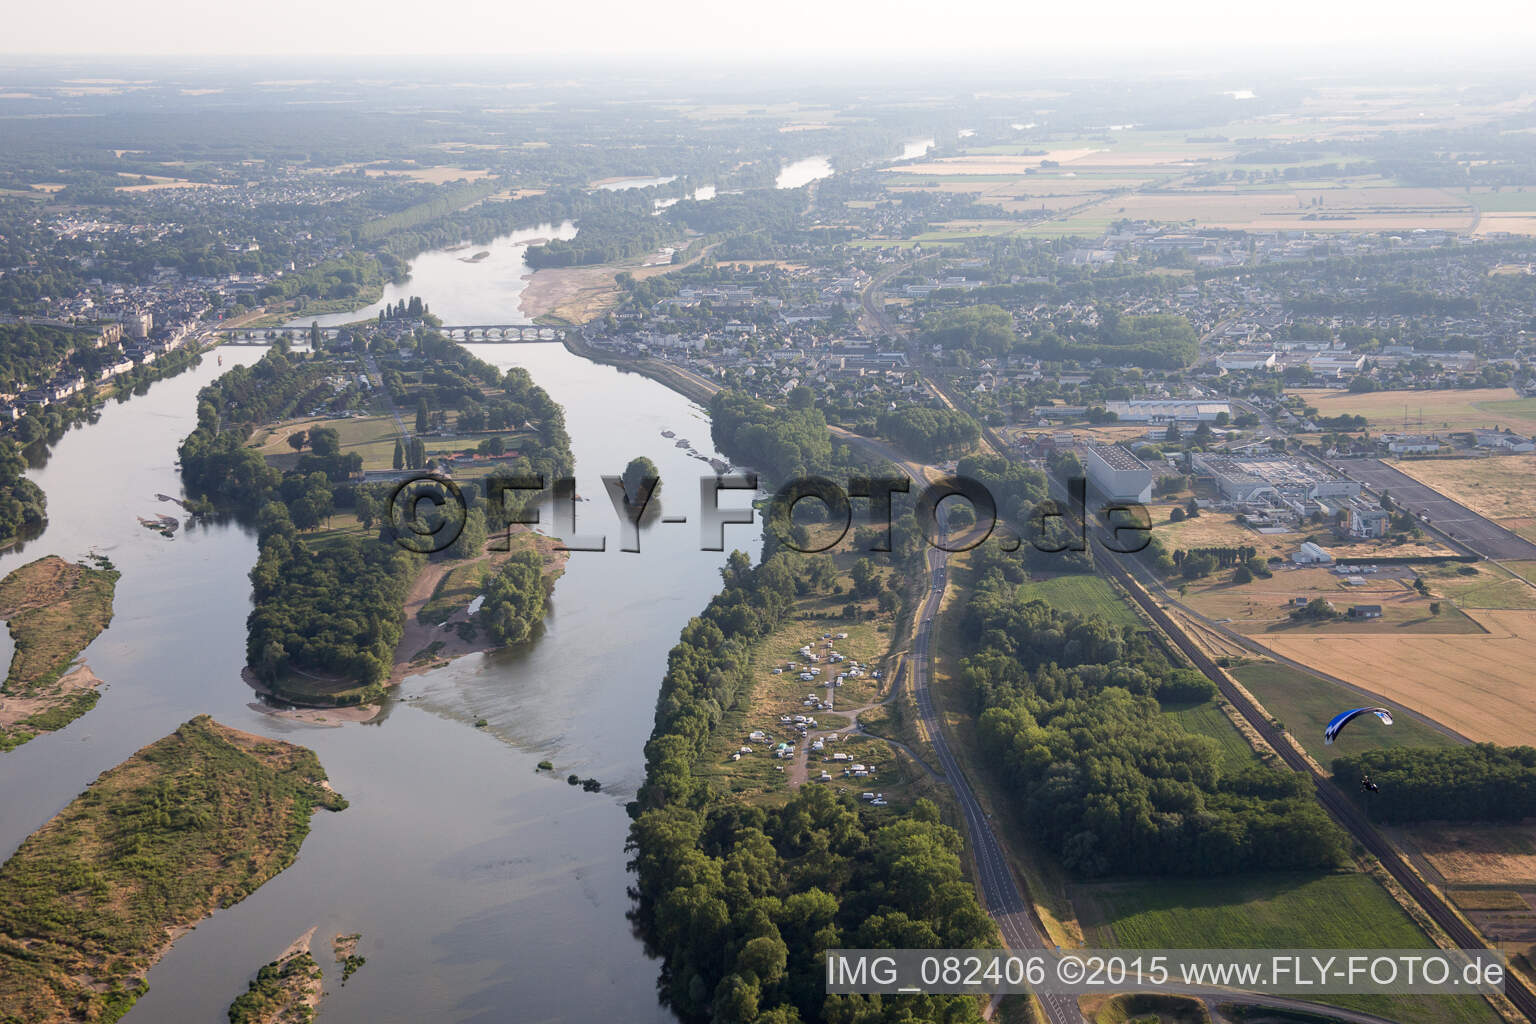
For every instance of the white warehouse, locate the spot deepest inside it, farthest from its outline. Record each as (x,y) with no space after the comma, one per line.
(1118,475)
(1168,410)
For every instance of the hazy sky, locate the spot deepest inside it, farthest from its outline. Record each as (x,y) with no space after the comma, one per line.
(866,28)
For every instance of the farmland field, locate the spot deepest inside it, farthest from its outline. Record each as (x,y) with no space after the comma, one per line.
(1270,911)
(1256,911)
(1082,595)
(1486,585)
(1442,410)
(1304,704)
(1206,719)
(1264,605)
(1477,684)
(1480,854)
(1342,209)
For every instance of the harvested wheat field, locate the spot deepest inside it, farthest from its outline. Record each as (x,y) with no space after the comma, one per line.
(1478,684)
(1440,410)
(1480,854)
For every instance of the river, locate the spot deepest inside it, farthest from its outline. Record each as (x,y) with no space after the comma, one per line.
(803,172)
(484,891)
(460,288)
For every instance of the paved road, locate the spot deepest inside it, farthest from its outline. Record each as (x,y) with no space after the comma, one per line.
(1485,537)
(1001,894)
(383,392)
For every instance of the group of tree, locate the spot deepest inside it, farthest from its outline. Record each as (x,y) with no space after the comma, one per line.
(929,433)
(1163,341)
(333,609)
(779,443)
(23,507)
(1478,782)
(983,328)
(1199,562)
(1070,713)
(516,596)
(742,900)
(414,309)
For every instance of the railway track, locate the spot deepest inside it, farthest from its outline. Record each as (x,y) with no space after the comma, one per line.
(1335,802)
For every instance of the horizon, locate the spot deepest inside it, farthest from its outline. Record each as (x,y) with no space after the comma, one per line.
(979,29)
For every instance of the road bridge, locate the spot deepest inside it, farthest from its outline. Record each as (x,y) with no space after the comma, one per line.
(494,334)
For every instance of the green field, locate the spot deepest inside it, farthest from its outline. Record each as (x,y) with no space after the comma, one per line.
(1503,202)
(1304,704)
(1206,719)
(1491,585)
(1307,911)
(1083,595)
(1271,911)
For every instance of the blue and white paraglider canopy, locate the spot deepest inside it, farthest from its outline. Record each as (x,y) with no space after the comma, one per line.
(1340,721)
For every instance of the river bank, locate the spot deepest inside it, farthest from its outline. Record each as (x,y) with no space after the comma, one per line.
(53,610)
(695,389)
(446,590)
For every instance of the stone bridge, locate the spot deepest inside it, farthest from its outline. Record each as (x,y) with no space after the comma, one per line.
(495,334)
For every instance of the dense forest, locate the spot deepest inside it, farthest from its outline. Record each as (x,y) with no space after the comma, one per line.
(933,434)
(1481,782)
(741,901)
(779,443)
(1070,716)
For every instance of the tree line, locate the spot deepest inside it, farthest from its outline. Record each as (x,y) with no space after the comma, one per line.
(930,433)
(1479,782)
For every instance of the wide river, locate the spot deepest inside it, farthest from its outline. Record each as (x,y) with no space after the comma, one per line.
(484,891)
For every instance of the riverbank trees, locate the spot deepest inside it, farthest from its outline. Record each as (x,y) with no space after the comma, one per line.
(741,901)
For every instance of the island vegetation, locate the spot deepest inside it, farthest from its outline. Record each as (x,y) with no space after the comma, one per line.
(285,991)
(191,823)
(331,582)
(53,610)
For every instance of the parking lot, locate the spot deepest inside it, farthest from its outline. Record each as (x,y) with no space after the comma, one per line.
(1464,525)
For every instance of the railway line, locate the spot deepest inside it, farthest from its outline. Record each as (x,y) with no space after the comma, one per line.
(1335,802)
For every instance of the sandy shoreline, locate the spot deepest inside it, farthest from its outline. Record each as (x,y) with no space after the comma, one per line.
(419,636)
(416,638)
(13,710)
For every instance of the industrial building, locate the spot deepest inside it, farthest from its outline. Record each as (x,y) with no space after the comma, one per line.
(1247,360)
(1311,554)
(1281,480)
(1117,474)
(1367,522)
(1168,410)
